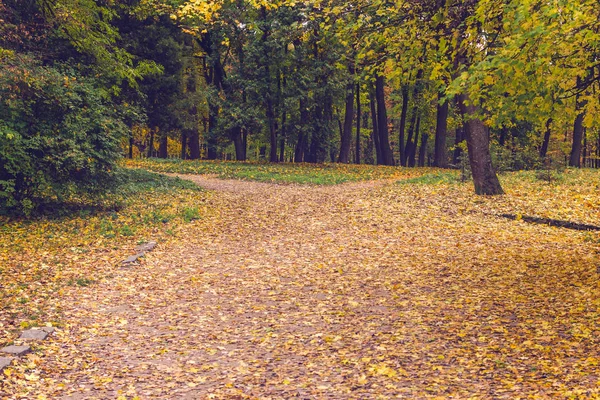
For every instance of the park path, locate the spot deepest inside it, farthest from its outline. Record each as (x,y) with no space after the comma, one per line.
(357,291)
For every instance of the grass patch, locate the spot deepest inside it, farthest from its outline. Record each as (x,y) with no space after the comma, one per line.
(443,178)
(284,173)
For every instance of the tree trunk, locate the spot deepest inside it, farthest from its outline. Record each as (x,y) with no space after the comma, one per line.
(283,137)
(503,135)
(460,133)
(546,142)
(403,116)
(575,157)
(439,156)
(163,150)
(384,139)
(211,139)
(272,131)
(484,177)
(585,153)
(194,143)
(413,148)
(423,149)
(358,115)
(411,132)
(183,142)
(301,144)
(238,143)
(245,142)
(130,152)
(151,144)
(375,130)
(346,136)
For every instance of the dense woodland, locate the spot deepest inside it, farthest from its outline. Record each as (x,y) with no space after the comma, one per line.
(511,84)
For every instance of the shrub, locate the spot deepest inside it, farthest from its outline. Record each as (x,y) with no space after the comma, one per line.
(58,136)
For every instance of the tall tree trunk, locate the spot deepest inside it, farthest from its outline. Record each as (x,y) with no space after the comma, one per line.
(151,144)
(163,146)
(130,152)
(546,142)
(503,135)
(194,143)
(410,144)
(575,157)
(183,142)
(484,177)
(413,148)
(585,148)
(272,131)
(283,137)
(382,121)
(211,136)
(403,116)
(460,133)
(346,136)
(423,149)
(375,130)
(358,115)
(245,142)
(370,146)
(238,143)
(301,144)
(439,156)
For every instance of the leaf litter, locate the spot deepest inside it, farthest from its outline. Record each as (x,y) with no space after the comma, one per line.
(362,290)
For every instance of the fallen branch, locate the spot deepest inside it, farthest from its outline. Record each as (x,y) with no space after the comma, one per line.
(553,222)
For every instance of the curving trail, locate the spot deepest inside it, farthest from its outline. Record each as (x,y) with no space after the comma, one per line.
(358,291)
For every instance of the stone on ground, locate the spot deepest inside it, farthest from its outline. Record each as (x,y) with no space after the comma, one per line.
(34,334)
(17,351)
(5,362)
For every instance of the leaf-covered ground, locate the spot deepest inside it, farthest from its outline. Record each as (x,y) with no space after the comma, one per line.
(365,290)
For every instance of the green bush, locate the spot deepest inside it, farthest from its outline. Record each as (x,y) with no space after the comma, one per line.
(58,137)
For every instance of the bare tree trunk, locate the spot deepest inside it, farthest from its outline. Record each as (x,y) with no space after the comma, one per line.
(403,116)
(484,177)
(194,143)
(439,156)
(283,137)
(130,152)
(183,142)
(358,115)
(413,148)
(238,143)
(411,132)
(384,139)
(301,144)
(423,149)
(375,128)
(575,157)
(151,144)
(163,149)
(346,135)
(546,142)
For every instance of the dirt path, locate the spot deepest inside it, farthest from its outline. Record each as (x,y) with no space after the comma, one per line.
(361,291)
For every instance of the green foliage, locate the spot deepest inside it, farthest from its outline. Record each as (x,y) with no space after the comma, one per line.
(59,138)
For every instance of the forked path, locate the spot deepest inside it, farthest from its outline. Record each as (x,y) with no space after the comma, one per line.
(357,291)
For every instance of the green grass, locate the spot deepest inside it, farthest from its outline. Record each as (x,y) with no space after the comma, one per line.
(285,173)
(441,178)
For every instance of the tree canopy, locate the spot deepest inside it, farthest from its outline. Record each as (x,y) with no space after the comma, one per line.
(394,83)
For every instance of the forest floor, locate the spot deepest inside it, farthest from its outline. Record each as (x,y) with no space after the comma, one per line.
(363,290)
